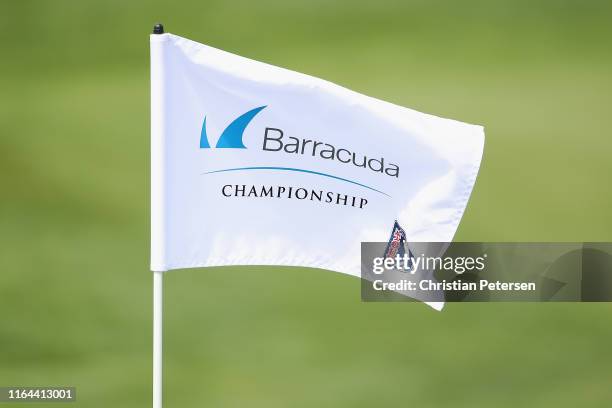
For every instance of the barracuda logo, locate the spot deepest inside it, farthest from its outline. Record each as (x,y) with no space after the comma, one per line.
(231,138)
(274,140)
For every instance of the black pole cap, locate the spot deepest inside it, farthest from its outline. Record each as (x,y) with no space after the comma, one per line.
(158,28)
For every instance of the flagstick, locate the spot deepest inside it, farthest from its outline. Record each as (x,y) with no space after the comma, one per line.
(157,204)
(157,337)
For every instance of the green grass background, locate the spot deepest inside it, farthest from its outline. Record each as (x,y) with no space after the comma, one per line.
(75,303)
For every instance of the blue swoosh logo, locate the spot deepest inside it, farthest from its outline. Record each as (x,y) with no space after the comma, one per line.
(300,171)
(231,138)
(203,137)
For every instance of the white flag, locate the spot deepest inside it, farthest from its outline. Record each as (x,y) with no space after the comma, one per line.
(254,164)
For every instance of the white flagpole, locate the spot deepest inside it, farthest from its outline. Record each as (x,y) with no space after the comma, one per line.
(157,202)
(157,338)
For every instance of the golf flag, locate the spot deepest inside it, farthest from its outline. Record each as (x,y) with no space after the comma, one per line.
(253,164)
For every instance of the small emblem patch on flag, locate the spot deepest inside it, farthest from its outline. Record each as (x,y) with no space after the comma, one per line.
(397,244)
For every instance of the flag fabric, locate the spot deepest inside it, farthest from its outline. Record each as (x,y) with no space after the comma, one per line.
(253,164)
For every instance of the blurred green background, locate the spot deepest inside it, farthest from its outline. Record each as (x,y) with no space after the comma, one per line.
(75,303)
